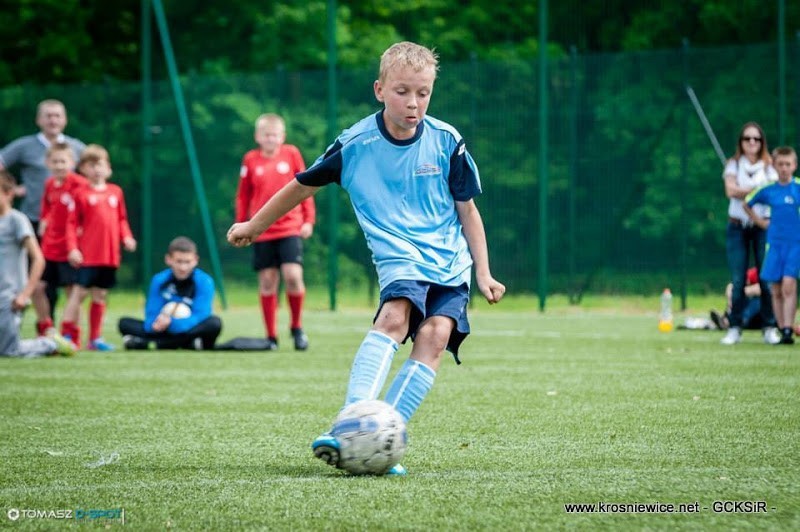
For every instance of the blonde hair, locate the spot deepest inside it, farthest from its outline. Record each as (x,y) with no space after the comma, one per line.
(92,154)
(270,118)
(407,54)
(784,151)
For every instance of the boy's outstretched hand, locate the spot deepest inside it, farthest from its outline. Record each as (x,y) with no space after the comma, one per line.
(239,235)
(491,289)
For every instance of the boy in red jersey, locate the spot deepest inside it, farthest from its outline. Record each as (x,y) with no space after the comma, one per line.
(278,251)
(95,230)
(58,200)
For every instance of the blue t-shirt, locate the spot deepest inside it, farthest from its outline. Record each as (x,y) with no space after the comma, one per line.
(784,202)
(403,193)
(197,291)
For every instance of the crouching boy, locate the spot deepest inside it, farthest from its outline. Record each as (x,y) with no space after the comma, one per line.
(20,251)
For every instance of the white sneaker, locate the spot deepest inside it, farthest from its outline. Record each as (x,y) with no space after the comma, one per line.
(772,336)
(733,336)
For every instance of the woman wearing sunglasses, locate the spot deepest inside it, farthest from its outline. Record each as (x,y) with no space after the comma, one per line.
(749,168)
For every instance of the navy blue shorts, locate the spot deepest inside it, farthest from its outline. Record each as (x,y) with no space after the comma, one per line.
(429,299)
(273,253)
(97,277)
(58,273)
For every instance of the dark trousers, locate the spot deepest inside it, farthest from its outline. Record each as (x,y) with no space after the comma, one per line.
(207,330)
(740,243)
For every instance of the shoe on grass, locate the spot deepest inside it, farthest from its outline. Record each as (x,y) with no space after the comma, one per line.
(771,336)
(786,336)
(132,342)
(719,320)
(326,448)
(397,470)
(300,339)
(64,346)
(733,336)
(98,344)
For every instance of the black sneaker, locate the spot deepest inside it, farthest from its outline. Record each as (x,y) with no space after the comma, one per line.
(272,344)
(786,336)
(300,339)
(135,342)
(719,320)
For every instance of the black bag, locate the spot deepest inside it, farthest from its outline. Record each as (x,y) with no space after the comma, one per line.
(244,344)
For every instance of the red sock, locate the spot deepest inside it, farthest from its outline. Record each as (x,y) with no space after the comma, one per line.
(43,325)
(96,313)
(269,308)
(71,330)
(296,307)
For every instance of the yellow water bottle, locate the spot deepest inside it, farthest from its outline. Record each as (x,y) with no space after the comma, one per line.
(665,323)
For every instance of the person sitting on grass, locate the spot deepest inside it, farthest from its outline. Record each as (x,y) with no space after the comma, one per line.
(751,315)
(18,245)
(177,313)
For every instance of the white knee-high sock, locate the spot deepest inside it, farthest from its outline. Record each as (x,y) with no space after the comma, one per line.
(370,367)
(409,387)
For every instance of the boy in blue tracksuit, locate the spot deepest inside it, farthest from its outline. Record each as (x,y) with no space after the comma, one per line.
(781,266)
(177,314)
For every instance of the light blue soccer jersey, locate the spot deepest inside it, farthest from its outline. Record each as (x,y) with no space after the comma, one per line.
(403,193)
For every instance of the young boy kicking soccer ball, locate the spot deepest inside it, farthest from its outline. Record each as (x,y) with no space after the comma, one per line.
(781,265)
(411,182)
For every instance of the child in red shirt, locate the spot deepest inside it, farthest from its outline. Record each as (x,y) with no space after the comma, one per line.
(57,202)
(96,227)
(278,251)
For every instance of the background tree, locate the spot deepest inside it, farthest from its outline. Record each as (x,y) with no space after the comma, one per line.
(55,41)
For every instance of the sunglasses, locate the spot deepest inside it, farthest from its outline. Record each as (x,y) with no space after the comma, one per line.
(745,139)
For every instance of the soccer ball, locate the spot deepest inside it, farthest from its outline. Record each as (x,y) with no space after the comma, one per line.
(176,309)
(372,436)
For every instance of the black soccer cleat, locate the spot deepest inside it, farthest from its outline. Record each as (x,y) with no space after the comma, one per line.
(272,344)
(136,343)
(300,339)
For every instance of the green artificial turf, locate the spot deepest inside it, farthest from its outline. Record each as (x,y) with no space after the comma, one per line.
(570,406)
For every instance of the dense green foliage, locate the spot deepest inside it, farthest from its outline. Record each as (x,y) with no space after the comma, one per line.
(49,41)
(547,410)
(620,202)
(621,129)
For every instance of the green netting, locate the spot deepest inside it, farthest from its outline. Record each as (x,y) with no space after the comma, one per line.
(635,195)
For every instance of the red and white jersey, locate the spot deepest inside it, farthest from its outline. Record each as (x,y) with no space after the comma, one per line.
(98,225)
(260,178)
(58,201)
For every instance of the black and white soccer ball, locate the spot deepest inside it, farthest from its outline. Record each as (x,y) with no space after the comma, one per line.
(372,437)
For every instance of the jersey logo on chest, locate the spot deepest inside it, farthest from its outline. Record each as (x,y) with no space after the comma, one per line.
(427,169)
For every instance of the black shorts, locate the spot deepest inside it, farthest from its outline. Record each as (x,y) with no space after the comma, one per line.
(273,253)
(59,273)
(97,277)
